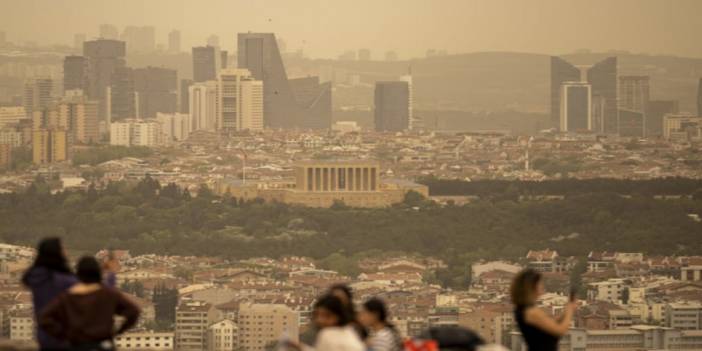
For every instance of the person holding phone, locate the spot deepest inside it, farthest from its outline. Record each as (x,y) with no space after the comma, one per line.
(540,331)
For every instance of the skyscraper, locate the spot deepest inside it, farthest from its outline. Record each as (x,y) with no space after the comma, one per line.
(657,109)
(81,120)
(630,123)
(75,72)
(240,100)
(634,95)
(157,89)
(50,145)
(391,112)
(223,59)
(183,98)
(561,72)
(576,104)
(298,103)
(105,57)
(213,40)
(122,102)
(203,105)
(602,76)
(108,31)
(37,95)
(204,64)
(174,42)
(78,40)
(408,78)
(603,80)
(699,98)
(140,39)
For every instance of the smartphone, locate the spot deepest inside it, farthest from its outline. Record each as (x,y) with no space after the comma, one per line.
(573,294)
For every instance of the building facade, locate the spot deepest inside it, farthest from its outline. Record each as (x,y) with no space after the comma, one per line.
(262,324)
(239,101)
(203,105)
(392,109)
(204,64)
(576,107)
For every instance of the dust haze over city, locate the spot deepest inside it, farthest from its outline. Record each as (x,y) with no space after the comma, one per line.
(350,175)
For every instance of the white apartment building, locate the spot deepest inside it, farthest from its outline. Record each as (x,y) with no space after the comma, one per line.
(239,100)
(203,105)
(135,133)
(222,336)
(174,126)
(610,290)
(261,324)
(145,340)
(684,316)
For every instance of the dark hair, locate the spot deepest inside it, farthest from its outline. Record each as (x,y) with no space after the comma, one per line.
(377,307)
(346,290)
(334,305)
(524,287)
(49,256)
(88,270)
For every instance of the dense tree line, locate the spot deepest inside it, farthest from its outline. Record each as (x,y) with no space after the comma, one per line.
(147,217)
(567,187)
(96,155)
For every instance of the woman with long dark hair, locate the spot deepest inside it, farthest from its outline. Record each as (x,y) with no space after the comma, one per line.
(382,334)
(48,277)
(540,331)
(84,314)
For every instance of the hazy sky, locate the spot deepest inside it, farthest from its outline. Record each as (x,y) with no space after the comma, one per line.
(325,28)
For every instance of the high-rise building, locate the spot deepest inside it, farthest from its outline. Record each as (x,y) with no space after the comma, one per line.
(105,57)
(75,69)
(140,39)
(561,72)
(204,64)
(239,100)
(108,31)
(602,78)
(408,78)
(634,95)
(78,40)
(203,105)
(174,126)
(391,113)
(37,95)
(631,123)
(364,55)
(258,52)
(184,96)
(262,324)
(133,132)
(50,145)
(122,96)
(213,40)
(699,98)
(576,104)
(192,320)
(157,89)
(174,42)
(223,59)
(80,118)
(655,112)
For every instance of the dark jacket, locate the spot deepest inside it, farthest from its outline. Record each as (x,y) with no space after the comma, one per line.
(88,318)
(46,285)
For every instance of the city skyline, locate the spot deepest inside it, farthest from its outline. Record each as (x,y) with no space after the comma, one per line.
(326,29)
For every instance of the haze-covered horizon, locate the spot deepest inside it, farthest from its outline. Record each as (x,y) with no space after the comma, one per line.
(325,29)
